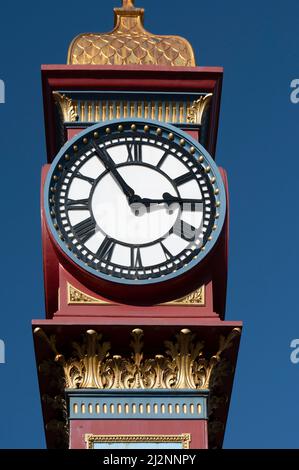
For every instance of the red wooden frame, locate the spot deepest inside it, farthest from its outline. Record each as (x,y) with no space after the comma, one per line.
(68,322)
(137,78)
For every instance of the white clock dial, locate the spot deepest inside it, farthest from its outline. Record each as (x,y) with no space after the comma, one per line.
(134,204)
(115,217)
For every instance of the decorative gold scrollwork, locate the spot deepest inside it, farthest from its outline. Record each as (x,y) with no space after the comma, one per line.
(198,108)
(76,297)
(66,107)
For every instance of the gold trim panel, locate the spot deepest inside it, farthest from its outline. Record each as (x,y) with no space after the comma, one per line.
(184,439)
(77,297)
(195,298)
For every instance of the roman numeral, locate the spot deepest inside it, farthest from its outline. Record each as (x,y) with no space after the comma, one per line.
(85,229)
(184,230)
(77,205)
(106,249)
(85,178)
(183,179)
(136,261)
(134,152)
(162,160)
(167,253)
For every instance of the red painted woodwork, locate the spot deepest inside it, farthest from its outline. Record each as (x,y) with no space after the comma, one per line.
(113,310)
(126,78)
(132,320)
(72,131)
(197,429)
(68,323)
(193,133)
(50,260)
(207,79)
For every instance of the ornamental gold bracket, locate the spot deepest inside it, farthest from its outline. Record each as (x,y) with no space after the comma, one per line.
(198,108)
(77,297)
(183,364)
(66,107)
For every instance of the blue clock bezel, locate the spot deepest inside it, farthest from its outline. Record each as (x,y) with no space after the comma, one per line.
(178,135)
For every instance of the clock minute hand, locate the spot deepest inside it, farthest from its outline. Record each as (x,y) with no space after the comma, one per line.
(110,166)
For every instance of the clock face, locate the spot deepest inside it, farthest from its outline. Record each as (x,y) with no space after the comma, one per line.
(135,202)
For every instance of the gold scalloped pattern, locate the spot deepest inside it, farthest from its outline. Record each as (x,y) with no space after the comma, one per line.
(129,43)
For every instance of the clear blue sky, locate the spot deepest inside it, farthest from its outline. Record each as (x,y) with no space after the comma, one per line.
(257,43)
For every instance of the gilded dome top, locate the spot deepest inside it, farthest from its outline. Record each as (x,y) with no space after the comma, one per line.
(129,43)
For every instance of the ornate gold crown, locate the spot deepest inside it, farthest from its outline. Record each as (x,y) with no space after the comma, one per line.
(130,43)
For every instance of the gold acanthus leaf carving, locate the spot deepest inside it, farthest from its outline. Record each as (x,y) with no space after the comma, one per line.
(198,108)
(182,366)
(130,43)
(66,107)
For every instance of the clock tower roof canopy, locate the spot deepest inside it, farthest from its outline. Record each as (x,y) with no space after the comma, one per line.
(129,43)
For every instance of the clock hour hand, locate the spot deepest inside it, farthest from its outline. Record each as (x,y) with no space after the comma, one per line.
(168,199)
(110,166)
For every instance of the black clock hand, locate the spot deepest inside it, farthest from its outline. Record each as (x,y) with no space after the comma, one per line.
(167,199)
(110,166)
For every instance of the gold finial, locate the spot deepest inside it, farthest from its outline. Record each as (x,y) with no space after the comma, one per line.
(130,43)
(127,4)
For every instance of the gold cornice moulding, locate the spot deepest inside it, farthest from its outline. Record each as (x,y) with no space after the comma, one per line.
(77,297)
(183,364)
(99,110)
(129,43)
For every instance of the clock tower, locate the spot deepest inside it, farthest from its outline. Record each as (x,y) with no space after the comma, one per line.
(134,351)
